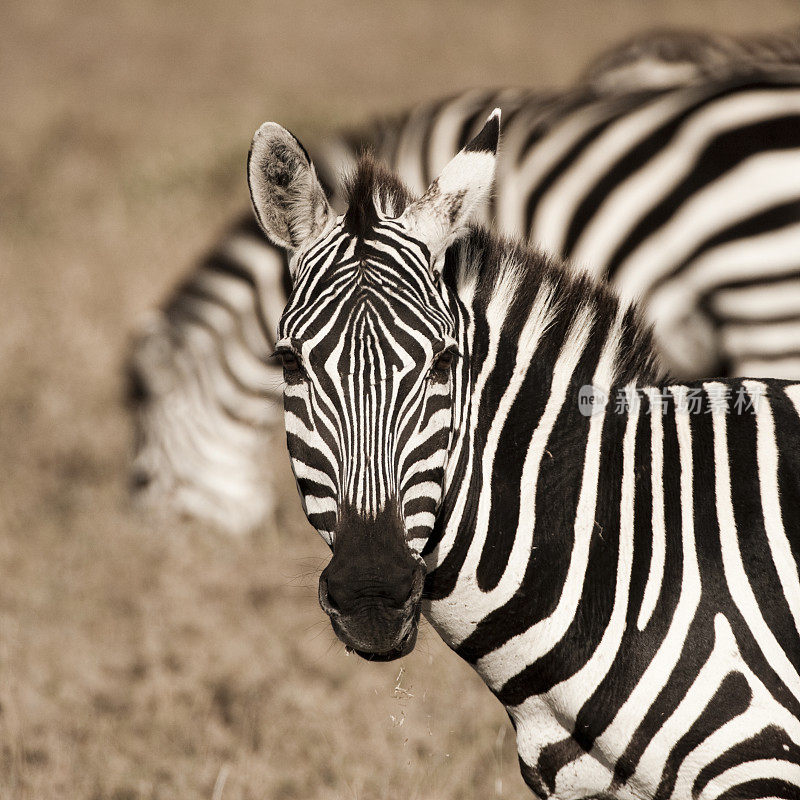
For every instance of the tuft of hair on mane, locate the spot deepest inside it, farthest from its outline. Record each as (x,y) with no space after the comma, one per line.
(369,189)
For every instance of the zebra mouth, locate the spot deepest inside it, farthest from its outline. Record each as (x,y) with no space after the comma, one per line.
(403,648)
(377,634)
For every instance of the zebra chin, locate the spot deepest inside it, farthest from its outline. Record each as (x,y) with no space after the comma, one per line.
(374,648)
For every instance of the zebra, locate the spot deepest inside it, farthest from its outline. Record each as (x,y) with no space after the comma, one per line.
(624,579)
(684,197)
(202,397)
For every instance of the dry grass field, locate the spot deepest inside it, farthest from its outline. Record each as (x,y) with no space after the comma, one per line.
(162,660)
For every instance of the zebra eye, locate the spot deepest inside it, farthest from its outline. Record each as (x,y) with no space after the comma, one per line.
(440,369)
(292,371)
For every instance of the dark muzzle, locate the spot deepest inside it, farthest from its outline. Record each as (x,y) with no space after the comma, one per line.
(372,587)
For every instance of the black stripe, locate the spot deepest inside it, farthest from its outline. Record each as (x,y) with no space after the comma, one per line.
(761,788)
(731,699)
(772,742)
(721,155)
(486,140)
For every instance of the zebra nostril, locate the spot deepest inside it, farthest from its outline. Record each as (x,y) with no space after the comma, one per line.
(325,598)
(417,586)
(140,479)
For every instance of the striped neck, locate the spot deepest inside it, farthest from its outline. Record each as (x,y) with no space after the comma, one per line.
(536,334)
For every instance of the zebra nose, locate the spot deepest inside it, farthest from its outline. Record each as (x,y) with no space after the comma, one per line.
(140,479)
(342,592)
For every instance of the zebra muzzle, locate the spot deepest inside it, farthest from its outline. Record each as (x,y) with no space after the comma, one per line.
(371,622)
(372,587)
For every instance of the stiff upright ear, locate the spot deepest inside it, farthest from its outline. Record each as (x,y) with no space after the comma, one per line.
(287,197)
(454,199)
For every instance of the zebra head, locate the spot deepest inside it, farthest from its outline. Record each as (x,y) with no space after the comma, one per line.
(372,343)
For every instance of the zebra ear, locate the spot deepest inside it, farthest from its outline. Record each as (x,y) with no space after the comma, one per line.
(289,201)
(456,197)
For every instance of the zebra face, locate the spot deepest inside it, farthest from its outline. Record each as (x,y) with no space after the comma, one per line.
(368,347)
(372,349)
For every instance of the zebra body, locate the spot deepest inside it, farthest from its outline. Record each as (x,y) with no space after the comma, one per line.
(684,197)
(620,614)
(202,395)
(624,580)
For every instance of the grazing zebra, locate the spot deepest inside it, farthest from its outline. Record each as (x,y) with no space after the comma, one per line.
(685,197)
(623,575)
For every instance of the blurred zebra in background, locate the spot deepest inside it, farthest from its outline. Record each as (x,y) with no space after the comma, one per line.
(682,192)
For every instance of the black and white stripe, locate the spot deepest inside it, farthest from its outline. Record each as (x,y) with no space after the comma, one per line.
(625,581)
(681,193)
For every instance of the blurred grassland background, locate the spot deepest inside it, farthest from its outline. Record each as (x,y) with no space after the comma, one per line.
(156,660)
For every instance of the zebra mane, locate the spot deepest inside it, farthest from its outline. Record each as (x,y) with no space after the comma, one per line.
(489,270)
(371,189)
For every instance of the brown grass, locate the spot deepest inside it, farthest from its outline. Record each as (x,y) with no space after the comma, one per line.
(145,660)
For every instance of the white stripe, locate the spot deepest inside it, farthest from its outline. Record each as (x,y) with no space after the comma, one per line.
(655,576)
(302,470)
(426,489)
(767,455)
(781,368)
(793,393)
(773,338)
(735,574)
(421,465)
(752,770)
(319,505)
(760,301)
(420,519)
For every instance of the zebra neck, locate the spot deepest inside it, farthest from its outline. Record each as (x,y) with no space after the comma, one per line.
(539,339)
